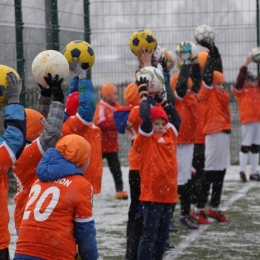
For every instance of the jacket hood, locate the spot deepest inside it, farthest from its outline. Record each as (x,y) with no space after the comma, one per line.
(54,166)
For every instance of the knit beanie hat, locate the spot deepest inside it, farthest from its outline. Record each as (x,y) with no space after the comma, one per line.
(217,77)
(108,89)
(157,112)
(202,59)
(72,103)
(75,149)
(35,123)
(174,80)
(131,95)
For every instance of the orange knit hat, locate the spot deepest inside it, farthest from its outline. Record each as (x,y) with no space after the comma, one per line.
(75,149)
(202,59)
(217,77)
(131,95)
(72,103)
(108,89)
(35,123)
(174,80)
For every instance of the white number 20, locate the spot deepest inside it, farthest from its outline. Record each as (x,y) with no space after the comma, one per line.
(35,191)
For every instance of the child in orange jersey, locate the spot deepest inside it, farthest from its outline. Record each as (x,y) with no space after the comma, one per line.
(103,118)
(12,143)
(58,212)
(185,90)
(248,98)
(156,144)
(81,124)
(217,129)
(41,134)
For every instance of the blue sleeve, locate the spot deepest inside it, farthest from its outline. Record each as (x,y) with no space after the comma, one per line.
(15,125)
(85,234)
(73,87)
(87,100)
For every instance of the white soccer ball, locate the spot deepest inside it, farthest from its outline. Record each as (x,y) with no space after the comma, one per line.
(184,56)
(204,32)
(154,76)
(49,61)
(255,54)
(170,56)
(158,54)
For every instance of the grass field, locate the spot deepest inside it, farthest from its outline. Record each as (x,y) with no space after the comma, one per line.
(236,240)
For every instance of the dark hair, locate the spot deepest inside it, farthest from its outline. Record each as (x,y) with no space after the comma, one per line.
(249,75)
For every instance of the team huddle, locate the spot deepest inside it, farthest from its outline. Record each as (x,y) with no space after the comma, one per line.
(179,127)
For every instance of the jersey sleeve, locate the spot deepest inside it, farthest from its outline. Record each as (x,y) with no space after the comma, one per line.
(15,133)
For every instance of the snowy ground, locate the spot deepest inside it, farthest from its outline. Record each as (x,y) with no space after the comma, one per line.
(238,239)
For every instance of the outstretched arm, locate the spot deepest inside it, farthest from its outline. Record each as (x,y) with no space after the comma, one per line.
(242,74)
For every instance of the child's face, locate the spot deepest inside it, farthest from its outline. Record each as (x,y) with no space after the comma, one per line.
(219,86)
(112,99)
(159,126)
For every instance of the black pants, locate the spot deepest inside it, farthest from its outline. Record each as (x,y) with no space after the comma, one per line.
(115,168)
(198,163)
(4,254)
(216,178)
(135,217)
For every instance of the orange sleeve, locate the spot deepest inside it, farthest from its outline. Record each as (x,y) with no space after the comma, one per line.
(7,158)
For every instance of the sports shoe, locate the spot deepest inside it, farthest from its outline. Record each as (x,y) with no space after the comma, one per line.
(200,217)
(243,176)
(218,215)
(187,221)
(121,195)
(173,228)
(255,177)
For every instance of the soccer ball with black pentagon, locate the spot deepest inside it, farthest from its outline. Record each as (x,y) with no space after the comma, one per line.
(144,38)
(204,32)
(80,52)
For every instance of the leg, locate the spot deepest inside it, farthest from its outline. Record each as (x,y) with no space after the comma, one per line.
(243,157)
(217,186)
(4,254)
(133,225)
(163,232)
(115,168)
(152,213)
(198,164)
(254,159)
(213,211)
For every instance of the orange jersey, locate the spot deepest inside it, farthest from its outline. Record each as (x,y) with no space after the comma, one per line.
(248,99)
(6,161)
(133,123)
(91,133)
(24,171)
(199,135)
(103,118)
(49,216)
(158,168)
(187,109)
(4,213)
(217,112)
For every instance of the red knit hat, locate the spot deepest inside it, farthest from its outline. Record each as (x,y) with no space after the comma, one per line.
(72,103)
(157,112)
